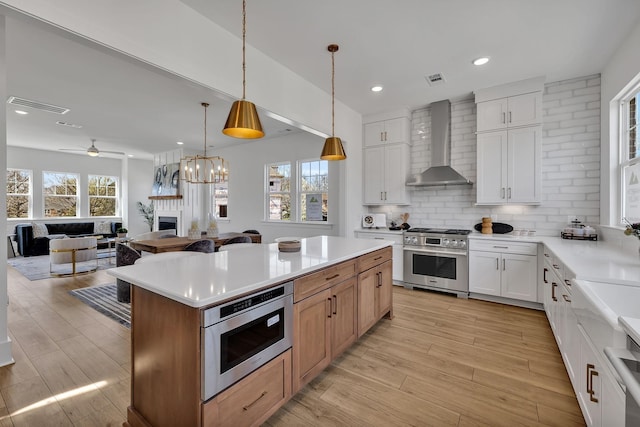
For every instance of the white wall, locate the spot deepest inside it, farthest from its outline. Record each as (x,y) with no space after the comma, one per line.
(621,69)
(247,185)
(138,180)
(570,165)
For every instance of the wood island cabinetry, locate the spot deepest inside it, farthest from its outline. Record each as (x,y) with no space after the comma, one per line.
(332,307)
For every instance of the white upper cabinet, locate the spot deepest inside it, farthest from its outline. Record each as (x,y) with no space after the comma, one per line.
(384,132)
(386,161)
(514,111)
(509,151)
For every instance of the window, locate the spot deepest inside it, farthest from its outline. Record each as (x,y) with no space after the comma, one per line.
(630,156)
(60,194)
(313,190)
(279,191)
(103,193)
(19,200)
(220,199)
(300,197)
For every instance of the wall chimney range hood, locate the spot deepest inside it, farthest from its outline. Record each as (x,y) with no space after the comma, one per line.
(440,172)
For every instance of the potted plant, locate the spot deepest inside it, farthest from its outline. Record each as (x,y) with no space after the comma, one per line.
(122,232)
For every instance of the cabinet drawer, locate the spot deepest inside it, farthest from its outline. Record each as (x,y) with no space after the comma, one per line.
(315,282)
(523,248)
(254,399)
(374,258)
(395,238)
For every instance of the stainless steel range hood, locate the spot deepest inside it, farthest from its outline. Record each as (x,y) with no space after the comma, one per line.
(440,173)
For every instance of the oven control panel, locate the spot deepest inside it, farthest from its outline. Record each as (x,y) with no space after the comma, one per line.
(451,242)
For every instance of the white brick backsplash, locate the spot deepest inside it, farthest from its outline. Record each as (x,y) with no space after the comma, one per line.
(570,165)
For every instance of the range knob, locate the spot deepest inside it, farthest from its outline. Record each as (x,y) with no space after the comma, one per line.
(463,244)
(446,243)
(454,243)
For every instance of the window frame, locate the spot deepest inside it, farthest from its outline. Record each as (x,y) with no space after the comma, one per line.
(45,194)
(115,197)
(624,160)
(300,193)
(268,193)
(29,194)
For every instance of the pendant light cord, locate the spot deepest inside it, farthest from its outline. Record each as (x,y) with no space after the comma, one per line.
(205,105)
(333,94)
(244,36)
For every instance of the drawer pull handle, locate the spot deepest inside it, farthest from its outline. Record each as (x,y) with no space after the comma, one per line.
(333,277)
(568,282)
(335,304)
(330,307)
(553,291)
(566,298)
(377,258)
(544,275)
(556,266)
(591,372)
(501,247)
(379,238)
(246,408)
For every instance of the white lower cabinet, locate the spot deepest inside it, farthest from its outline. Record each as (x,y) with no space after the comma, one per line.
(600,397)
(396,238)
(505,269)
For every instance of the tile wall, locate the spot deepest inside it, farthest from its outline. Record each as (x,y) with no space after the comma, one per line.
(570,165)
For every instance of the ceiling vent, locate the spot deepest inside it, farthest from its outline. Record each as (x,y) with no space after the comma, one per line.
(71,125)
(435,79)
(14,100)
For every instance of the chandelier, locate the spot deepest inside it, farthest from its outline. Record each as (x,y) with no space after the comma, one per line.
(203,169)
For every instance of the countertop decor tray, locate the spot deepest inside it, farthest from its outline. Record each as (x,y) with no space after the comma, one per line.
(497,227)
(570,236)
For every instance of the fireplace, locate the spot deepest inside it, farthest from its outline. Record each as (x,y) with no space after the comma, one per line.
(168,223)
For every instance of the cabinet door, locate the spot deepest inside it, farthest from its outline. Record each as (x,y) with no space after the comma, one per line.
(343,316)
(484,272)
(373,134)
(395,131)
(613,404)
(383,303)
(492,168)
(590,385)
(373,175)
(396,159)
(524,110)
(523,173)
(519,277)
(571,343)
(492,115)
(368,282)
(311,348)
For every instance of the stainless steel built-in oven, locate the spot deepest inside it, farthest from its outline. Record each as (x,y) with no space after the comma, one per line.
(242,335)
(437,259)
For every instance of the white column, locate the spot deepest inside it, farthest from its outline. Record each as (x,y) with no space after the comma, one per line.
(5,341)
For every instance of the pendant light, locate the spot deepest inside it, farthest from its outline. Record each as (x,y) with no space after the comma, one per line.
(243,121)
(203,169)
(333,149)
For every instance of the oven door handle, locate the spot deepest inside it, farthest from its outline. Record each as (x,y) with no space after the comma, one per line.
(616,356)
(434,252)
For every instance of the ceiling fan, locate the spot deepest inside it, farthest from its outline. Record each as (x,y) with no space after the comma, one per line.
(93,150)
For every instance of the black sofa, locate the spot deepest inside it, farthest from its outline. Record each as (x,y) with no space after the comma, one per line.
(30,246)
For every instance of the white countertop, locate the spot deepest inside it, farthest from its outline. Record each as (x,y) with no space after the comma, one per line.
(206,280)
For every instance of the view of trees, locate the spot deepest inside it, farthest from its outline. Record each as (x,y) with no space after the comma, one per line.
(103,191)
(18,191)
(60,194)
(280,191)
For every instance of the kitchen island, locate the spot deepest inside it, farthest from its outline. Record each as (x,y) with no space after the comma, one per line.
(341,287)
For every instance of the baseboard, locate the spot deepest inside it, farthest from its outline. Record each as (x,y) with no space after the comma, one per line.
(5,353)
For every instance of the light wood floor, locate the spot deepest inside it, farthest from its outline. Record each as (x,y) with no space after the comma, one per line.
(440,361)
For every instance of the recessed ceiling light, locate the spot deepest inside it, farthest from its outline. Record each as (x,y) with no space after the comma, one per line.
(376,89)
(179,142)
(130,155)
(21,112)
(481,61)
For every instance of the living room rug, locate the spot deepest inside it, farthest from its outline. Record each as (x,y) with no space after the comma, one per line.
(104,300)
(37,267)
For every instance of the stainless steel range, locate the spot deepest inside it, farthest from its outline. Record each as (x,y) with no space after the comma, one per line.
(436,259)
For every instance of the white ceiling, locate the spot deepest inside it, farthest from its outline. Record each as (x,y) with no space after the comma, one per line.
(127,106)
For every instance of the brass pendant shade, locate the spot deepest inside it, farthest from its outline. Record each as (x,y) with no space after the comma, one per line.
(333,149)
(243,121)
